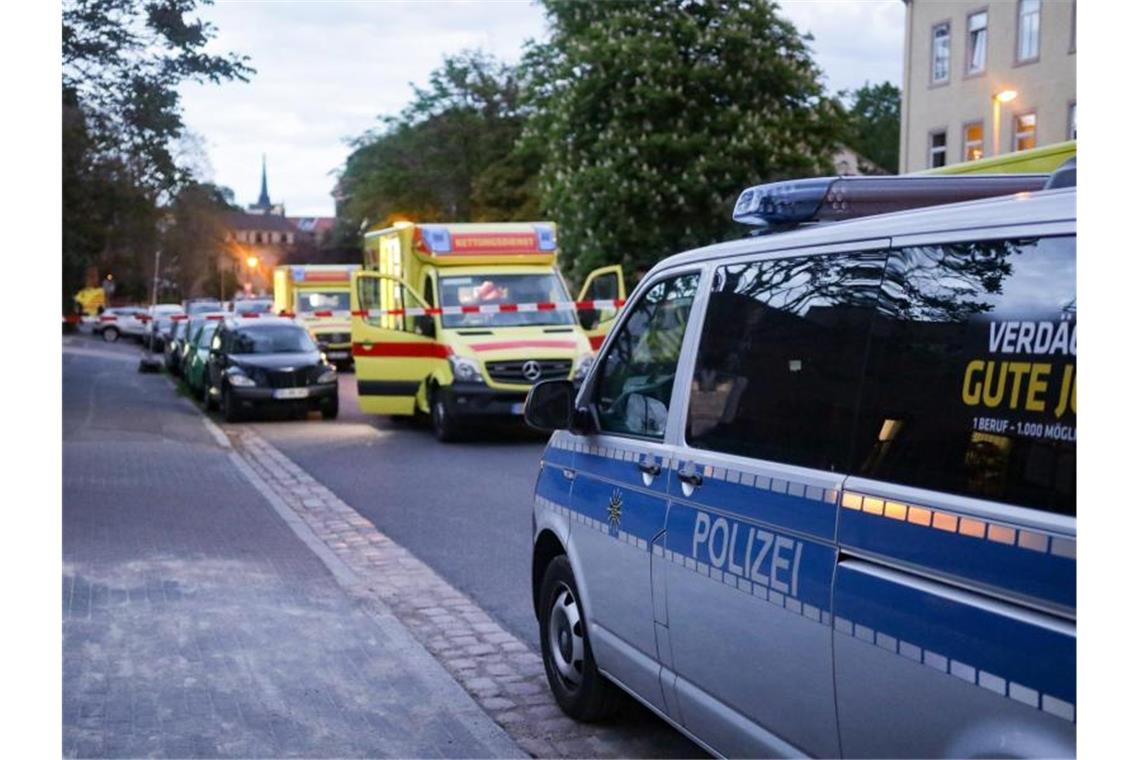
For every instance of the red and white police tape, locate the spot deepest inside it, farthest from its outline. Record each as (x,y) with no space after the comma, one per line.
(415,311)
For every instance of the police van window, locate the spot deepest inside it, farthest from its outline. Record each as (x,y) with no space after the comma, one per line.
(636,376)
(972,373)
(781,353)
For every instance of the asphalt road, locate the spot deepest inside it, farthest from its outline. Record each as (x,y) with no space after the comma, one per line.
(462,508)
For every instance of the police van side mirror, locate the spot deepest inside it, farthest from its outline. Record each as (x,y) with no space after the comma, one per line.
(550,405)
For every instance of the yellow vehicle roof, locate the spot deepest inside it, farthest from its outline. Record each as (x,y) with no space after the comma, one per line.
(1041,160)
(465,244)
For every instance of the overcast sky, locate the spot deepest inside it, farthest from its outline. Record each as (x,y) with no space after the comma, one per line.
(326,70)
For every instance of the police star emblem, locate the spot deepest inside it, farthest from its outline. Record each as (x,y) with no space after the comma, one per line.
(614,509)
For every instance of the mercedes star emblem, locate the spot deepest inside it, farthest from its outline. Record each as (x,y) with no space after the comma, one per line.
(532,370)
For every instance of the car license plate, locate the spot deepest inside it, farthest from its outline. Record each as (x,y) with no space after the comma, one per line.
(291,393)
(337,354)
(517,408)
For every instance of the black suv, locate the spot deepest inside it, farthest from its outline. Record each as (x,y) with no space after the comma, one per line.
(268,362)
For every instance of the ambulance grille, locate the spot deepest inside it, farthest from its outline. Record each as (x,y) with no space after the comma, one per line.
(512,371)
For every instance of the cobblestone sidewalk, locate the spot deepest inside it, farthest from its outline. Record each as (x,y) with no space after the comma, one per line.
(502,673)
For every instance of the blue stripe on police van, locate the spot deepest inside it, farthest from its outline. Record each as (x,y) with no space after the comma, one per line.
(1010,656)
(1010,689)
(1025,562)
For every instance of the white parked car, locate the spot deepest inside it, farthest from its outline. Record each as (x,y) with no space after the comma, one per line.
(118,321)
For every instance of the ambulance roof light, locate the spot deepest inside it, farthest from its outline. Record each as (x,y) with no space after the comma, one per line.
(437,238)
(832,199)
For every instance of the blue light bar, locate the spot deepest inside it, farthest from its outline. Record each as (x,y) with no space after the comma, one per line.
(438,239)
(546,239)
(833,199)
(782,202)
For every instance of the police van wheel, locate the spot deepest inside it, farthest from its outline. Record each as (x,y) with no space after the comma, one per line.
(441,423)
(580,690)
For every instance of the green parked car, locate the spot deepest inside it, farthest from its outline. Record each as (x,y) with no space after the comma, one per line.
(198,351)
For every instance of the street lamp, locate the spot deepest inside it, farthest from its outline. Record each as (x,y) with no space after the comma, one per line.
(252,262)
(1005,96)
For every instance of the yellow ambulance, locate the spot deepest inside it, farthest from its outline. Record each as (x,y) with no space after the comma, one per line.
(317,295)
(458,321)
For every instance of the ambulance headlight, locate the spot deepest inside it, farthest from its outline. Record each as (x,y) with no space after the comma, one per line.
(465,370)
(583,369)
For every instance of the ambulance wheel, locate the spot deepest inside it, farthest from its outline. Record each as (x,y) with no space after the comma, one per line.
(580,690)
(442,424)
(110,334)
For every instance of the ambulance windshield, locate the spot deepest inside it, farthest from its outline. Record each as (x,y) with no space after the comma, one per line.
(322,300)
(523,290)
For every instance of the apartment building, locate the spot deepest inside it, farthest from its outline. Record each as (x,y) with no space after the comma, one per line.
(985,78)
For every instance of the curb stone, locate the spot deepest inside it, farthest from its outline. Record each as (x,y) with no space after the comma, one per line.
(496,668)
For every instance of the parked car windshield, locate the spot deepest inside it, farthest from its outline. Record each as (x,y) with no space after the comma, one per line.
(199,307)
(253,307)
(272,339)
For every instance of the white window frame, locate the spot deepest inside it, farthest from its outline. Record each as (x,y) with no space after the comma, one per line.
(934,46)
(1019,134)
(973,36)
(1023,31)
(931,150)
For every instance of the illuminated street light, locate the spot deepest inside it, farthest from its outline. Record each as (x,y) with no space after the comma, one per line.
(1005,96)
(252,262)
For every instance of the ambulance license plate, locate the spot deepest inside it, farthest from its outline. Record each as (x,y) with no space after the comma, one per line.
(291,393)
(517,408)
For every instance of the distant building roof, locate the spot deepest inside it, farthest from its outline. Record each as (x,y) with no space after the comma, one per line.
(240,220)
(316,225)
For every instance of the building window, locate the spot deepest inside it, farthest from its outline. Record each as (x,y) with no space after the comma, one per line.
(973,141)
(1028,30)
(257,238)
(940,54)
(976,43)
(937,149)
(1024,131)
(1073,121)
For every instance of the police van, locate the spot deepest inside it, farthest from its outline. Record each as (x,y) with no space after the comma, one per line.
(817,495)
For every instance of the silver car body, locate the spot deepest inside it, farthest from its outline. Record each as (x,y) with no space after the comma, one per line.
(783,610)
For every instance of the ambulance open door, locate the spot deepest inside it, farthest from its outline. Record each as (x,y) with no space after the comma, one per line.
(604,284)
(394,351)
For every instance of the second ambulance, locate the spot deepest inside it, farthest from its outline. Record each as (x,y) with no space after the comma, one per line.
(458,321)
(317,295)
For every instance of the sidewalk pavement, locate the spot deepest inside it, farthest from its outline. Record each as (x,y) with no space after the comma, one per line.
(197,623)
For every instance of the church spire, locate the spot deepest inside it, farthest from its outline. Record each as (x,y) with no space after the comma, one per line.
(263,199)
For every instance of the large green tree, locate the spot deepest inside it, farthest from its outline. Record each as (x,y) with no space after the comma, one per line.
(652,117)
(447,156)
(122,63)
(873,116)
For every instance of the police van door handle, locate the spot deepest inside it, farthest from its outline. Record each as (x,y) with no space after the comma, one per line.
(692,478)
(652,469)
